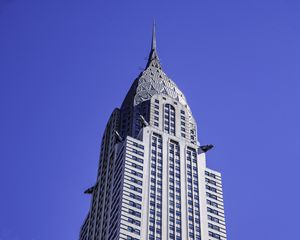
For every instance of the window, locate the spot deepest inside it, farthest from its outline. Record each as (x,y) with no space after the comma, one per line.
(134,204)
(134,196)
(210,174)
(136,166)
(135,158)
(214,235)
(137,173)
(214,219)
(211,188)
(135,213)
(136,222)
(210,181)
(137,189)
(212,211)
(133,230)
(212,203)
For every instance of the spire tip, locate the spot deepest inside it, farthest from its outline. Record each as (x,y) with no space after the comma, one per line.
(153,37)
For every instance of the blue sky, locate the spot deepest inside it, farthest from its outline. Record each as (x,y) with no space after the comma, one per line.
(65,65)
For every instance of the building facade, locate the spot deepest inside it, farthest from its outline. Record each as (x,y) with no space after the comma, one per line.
(152,182)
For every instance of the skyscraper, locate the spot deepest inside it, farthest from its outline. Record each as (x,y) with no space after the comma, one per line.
(152,180)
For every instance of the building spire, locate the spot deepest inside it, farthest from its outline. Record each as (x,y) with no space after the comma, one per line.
(153,45)
(153,53)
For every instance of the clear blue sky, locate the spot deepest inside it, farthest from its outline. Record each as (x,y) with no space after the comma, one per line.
(64,66)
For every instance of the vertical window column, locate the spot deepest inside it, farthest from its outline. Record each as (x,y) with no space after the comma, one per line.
(193,195)
(174,192)
(169,119)
(155,188)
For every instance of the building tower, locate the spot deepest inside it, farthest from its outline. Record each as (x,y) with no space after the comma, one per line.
(153,183)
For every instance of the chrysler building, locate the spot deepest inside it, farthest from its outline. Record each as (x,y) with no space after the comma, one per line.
(152,181)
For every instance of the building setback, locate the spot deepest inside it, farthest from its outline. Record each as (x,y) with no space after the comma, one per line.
(153,183)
